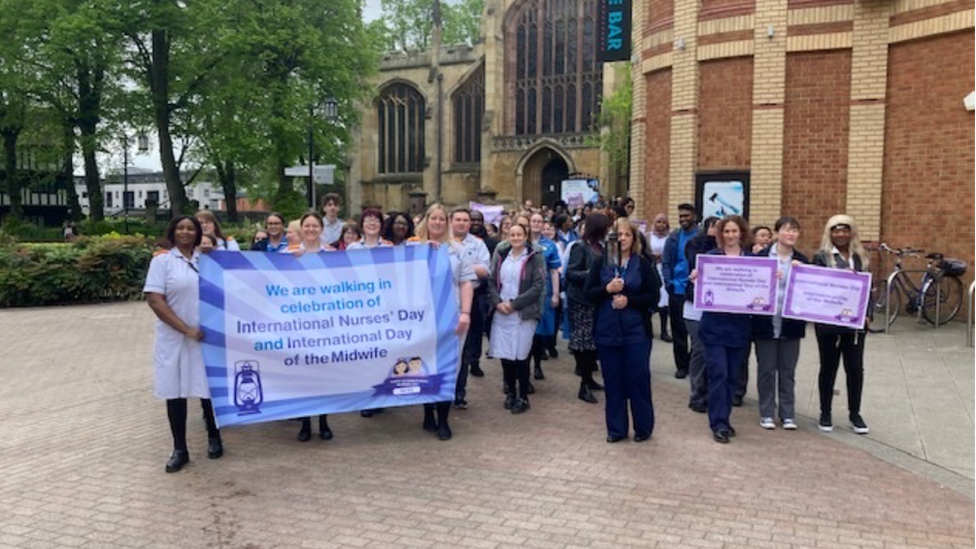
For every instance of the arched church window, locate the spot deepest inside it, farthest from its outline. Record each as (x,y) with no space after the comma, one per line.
(469,111)
(400,113)
(554,80)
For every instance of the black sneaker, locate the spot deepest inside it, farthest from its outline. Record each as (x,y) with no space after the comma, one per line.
(461,404)
(681,374)
(737,401)
(826,424)
(476,371)
(553,353)
(857,423)
(509,402)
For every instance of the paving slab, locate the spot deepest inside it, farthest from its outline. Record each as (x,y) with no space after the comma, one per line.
(83,443)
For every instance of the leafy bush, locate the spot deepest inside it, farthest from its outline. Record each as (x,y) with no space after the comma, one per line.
(93,269)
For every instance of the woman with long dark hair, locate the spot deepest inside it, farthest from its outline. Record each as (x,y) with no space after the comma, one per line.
(582,257)
(398,228)
(172,291)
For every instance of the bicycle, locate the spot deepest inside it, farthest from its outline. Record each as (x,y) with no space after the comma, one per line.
(940,284)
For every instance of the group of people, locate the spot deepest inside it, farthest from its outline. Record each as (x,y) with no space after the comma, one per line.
(712,349)
(592,271)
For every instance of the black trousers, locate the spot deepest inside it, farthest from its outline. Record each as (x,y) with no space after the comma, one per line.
(471,352)
(676,304)
(176,413)
(834,346)
(516,370)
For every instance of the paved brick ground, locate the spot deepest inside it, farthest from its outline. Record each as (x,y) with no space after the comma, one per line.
(82,447)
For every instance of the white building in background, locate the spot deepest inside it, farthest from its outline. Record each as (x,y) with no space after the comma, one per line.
(145,185)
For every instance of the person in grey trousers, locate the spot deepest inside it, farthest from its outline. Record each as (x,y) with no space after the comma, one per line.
(777,338)
(701,243)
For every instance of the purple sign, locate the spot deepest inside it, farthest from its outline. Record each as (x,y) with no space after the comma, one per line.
(827,296)
(735,284)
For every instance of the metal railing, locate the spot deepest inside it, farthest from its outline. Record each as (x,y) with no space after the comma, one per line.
(970,306)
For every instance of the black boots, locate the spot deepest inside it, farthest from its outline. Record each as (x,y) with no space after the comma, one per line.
(585,394)
(177,460)
(439,425)
(325,433)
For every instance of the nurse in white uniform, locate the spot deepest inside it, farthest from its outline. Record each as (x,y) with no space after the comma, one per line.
(172,290)
(434,229)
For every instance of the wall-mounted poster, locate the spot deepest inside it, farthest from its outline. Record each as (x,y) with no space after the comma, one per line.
(723,194)
(577,192)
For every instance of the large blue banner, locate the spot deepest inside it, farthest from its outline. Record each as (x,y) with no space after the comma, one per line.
(329,332)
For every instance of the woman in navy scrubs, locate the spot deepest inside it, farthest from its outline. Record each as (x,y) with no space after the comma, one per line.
(725,336)
(623,289)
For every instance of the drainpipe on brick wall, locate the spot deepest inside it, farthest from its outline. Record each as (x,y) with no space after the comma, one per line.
(440,136)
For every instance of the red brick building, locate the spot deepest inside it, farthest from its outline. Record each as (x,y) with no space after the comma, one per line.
(817,106)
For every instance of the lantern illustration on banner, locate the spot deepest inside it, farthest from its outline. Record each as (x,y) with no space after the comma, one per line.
(248,393)
(709,298)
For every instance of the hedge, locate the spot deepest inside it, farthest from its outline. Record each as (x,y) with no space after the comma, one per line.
(90,270)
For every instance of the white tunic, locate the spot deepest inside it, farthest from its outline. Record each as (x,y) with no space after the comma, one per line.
(657,249)
(511,337)
(179,370)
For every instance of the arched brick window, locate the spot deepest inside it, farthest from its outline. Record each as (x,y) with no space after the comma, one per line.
(400,115)
(469,111)
(554,80)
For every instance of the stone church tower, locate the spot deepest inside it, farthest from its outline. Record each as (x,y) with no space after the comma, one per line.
(507,119)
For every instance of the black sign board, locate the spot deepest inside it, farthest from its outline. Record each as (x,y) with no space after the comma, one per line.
(615,28)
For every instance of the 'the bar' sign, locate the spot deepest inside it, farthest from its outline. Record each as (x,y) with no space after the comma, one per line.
(615,27)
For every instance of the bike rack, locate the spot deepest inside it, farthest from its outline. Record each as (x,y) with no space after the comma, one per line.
(970,305)
(888,284)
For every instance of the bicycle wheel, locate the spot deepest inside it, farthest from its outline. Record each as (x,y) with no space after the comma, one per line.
(949,296)
(878,299)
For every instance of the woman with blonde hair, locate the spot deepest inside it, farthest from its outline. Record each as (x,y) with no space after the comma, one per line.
(435,230)
(841,248)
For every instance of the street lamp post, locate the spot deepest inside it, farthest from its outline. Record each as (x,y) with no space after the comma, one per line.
(331,112)
(143,143)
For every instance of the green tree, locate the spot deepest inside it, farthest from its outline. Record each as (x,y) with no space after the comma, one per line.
(14,79)
(410,22)
(462,22)
(171,56)
(76,64)
(612,132)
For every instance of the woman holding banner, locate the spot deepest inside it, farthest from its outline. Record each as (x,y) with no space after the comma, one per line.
(623,286)
(516,284)
(841,248)
(725,337)
(778,338)
(433,229)
(310,229)
(172,291)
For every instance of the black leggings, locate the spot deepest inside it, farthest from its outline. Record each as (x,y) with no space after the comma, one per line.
(833,346)
(176,412)
(586,364)
(538,349)
(516,370)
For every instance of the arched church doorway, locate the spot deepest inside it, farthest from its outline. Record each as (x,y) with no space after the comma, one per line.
(542,177)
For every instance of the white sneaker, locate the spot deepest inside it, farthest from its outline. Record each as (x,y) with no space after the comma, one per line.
(767,423)
(789,425)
